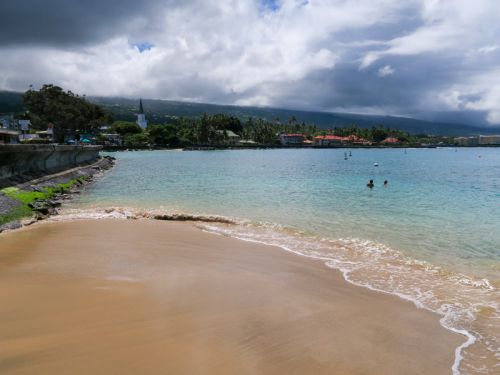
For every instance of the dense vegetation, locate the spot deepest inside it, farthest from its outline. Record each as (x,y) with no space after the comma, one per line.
(68,112)
(164,111)
(214,130)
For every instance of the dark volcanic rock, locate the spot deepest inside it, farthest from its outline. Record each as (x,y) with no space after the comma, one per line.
(40,206)
(55,203)
(40,216)
(12,225)
(7,204)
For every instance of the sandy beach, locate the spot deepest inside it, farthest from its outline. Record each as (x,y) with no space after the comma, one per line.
(151,297)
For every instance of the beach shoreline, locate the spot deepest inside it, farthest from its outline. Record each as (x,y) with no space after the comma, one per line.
(190,300)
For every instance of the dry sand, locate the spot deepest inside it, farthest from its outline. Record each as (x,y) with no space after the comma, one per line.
(149,297)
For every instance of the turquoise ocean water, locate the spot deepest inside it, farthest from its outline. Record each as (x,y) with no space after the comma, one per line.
(432,235)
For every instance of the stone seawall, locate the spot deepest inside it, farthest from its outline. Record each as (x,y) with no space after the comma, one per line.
(28,161)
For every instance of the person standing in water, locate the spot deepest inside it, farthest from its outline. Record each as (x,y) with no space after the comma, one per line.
(370,184)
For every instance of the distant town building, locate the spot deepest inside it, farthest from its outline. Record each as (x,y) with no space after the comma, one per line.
(467,141)
(354,139)
(292,139)
(336,140)
(328,140)
(247,142)
(6,122)
(141,117)
(489,139)
(390,141)
(28,137)
(112,139)
(24,125)
(8,136)
(229,136)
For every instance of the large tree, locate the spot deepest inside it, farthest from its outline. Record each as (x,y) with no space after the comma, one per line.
(69,113)
(126,127)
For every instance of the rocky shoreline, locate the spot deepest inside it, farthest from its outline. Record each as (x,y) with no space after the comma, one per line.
(40,198)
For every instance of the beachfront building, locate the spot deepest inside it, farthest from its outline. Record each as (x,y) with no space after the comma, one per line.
(467,141)
(8,136)
(390,141)
(228,137)
(292,139)
(6,122)
(141,117)
(489,140)
(111,139)
(355,140)
(48,134)
(328,140)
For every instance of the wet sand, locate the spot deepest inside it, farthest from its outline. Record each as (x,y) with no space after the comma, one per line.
(151,297)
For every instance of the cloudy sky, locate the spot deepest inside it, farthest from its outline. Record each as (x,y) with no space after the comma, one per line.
(431,59)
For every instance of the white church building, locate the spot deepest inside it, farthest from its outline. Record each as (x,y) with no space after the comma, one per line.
(141,117)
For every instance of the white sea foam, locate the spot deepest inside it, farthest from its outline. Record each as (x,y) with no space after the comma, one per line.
(457,298)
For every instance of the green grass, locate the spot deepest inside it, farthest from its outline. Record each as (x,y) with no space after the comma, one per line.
(27,197)
(15,214)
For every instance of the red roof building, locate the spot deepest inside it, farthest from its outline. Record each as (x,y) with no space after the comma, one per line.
(390,140)
(336,140)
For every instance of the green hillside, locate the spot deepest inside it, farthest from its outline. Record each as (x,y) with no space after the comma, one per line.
(163,111)
(159,111)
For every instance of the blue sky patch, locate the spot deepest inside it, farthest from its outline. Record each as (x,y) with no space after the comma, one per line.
(272,5)
(144,46)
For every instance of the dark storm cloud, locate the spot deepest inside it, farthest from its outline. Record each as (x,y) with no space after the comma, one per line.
(69,22)
(431,59)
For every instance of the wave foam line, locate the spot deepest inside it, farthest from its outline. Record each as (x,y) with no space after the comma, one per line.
(131,214)
(449,313)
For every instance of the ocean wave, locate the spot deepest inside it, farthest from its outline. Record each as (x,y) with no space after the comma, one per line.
(133,214)
(467,305)
(461,300)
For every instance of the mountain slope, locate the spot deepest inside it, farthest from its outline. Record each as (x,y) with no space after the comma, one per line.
(161,111)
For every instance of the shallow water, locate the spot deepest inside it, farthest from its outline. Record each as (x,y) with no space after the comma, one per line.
(431,236)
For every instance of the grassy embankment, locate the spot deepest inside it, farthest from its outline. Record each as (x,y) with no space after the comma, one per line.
(27,197)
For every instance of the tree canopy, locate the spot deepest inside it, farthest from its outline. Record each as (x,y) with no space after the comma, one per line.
(68,112)
(126,127)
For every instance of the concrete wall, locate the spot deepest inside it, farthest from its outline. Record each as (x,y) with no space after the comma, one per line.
(16,160)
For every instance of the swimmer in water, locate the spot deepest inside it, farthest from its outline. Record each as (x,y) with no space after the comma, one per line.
(386,182)
(370,184)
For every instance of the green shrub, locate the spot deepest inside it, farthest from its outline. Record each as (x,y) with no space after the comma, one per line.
(27,197)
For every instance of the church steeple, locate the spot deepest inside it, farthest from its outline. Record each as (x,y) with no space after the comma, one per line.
(141,110)
(141,117)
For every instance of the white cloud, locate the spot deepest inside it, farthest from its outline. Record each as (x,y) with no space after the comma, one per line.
(386,71)
(488,87)
(239,52)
